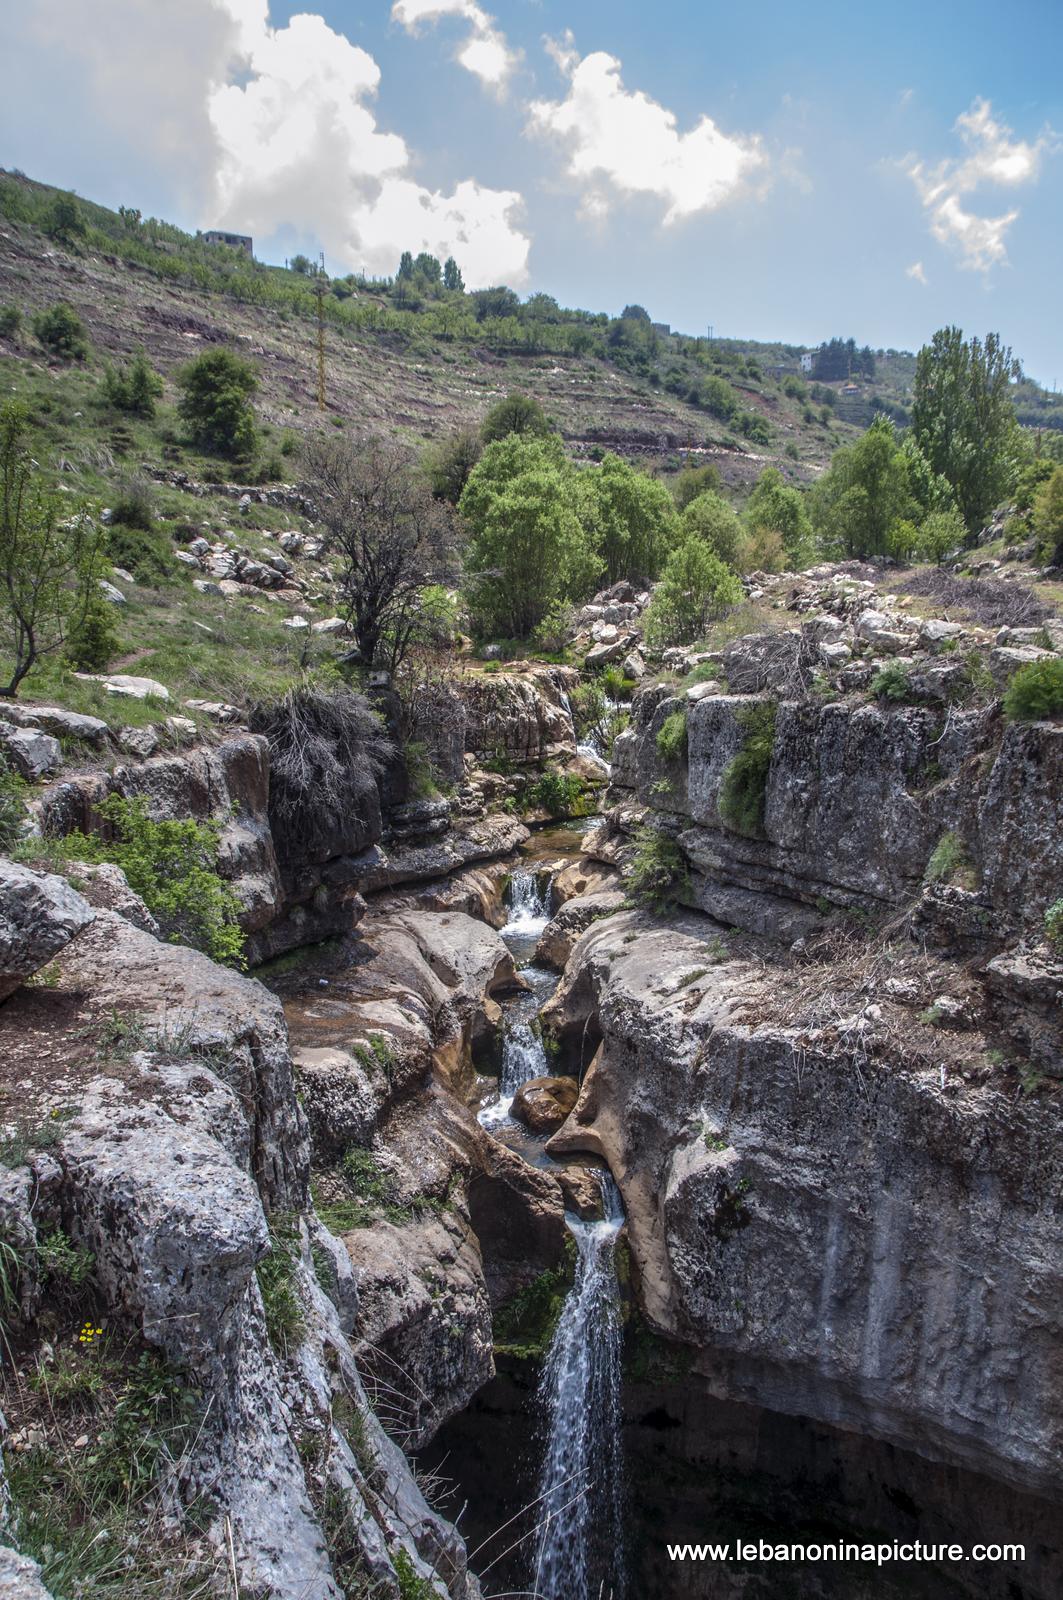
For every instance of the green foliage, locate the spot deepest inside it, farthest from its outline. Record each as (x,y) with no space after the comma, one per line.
(893,682)
(277,1280)
(449,463)
(215,404)
(657,878)
(527,548)
(559,794)
(145,553)
(695,588)
(517,413)
(133,388)
(551,635)
(711,519)
(13,813)
(64,220)
(172,865)
(629,518)
(49,566)
(374,1190)
(525,1325)
(866,492)
(672,736)
(948,860)
(1030,480)
(743,789)
(93,641)
(62,333)
(1048,518)
(64,1266)
(411,1587)
(963,420)
(1035,691)
(1054,926)
(775,507)
(693,481)
(10,322)
(940,534)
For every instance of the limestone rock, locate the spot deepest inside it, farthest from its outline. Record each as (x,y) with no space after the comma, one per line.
(542,1104)
(55,720)
(564,928)
(20,1578)
(39,915)
(32,754)
(132,688)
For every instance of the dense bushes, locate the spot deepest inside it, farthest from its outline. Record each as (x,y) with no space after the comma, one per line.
(173,866)
(695,588)
(133,388)
(215,404)
(1036,691)
(657,878)
(62,333)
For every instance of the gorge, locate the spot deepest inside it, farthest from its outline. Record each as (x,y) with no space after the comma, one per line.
(727,1210)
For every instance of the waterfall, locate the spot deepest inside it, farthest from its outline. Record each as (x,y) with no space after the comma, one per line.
(580,1550)
(523,1058)
(528,912)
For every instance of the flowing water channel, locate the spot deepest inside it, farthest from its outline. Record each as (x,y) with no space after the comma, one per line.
(576,1542)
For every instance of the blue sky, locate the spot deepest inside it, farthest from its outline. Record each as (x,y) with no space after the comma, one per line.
(780,171)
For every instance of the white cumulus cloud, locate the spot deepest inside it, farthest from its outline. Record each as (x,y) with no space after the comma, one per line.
(268,130)
(485,52)
(621,138)
(994,157)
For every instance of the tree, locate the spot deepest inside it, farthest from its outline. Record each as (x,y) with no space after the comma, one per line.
(452,278)
(963,420)
(629,517)
(930,491)
(517,413)
(302,265)
(695,588)
(710,519)
(389,536)
(61,332)
(405,271)
(64,221)
(449,462)
(427,266)
(1048,518)
(776,507)
(527,546)
(693,481)
(496,302)
(216,390)
(940,533)
(857,503)
(49,568)
(635,313)
(133,388)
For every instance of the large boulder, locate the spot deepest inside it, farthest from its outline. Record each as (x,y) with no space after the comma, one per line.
(542,1104)
(32,754)
(39,914)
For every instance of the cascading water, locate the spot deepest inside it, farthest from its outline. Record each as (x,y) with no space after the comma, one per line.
(580,1551)
(523,1058)
(528,912)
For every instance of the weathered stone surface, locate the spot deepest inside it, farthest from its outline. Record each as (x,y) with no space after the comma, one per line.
(32,754)
(39,915)
(20,1578)
(823,1231)
(133,688)
(523,716)
(542,1104)
(564,928)
(54,720)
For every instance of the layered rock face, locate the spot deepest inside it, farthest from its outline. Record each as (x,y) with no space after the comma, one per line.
(181,1163)
(856,799)
(837,1232)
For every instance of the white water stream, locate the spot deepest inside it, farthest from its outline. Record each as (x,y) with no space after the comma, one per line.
(580,1549)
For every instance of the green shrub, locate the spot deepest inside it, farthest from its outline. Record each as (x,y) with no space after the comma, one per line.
(1035,691)
(10,322)
(93,642)
(62,332)
(411,1587)
(524,1325)
(672,736)
(133,388)
(216,390)
(64,1266)
(695,588)
(947,860)
(134,505)
(172,865)
(893,683)
(562,795)
(13,813)
(1048,518)
(1054,926)
(657,878)
(285,1323)
(552,633)
(146,553)
(745,781)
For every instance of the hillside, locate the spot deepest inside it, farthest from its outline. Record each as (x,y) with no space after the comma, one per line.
(386,369)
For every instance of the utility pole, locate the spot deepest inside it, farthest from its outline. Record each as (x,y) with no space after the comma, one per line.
(319,290)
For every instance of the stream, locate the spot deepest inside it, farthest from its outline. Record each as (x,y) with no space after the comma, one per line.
(577,1533)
